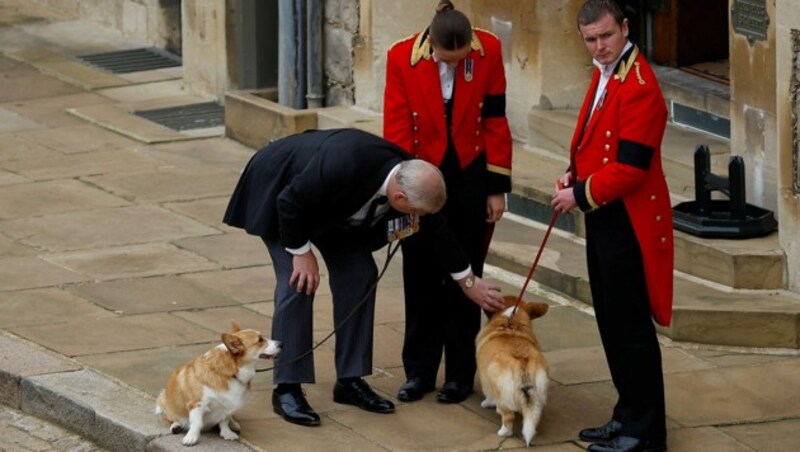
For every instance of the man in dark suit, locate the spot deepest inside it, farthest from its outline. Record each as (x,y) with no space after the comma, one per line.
(324,188)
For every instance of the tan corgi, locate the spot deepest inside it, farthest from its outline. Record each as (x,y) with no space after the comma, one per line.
(511,367)
(207,391)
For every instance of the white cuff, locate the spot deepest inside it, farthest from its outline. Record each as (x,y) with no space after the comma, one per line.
(462,274)
(302,250)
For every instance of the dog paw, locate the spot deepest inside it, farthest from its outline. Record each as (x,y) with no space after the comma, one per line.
(230,435)
(190,439)
(488,403)
(504,431)
(175,428)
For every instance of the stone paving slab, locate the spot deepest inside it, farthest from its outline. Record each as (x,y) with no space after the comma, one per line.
(209,211)
(68,69)
(13,147)
(22,432)
(110,227)
(143,91)
(229,250)
(71,140)
(247,285)
(710,397)
(211,153)
(115,334)
(150,295)
(780,435)
(30,272)
(13,122)
(165,186)
(117,161)
(45,306)
(51,111)
(8,178)
(34,200)
(24,82)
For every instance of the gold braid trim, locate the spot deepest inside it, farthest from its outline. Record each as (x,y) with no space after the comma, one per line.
(421,49)
(589,194)
(625,66)
(498,170)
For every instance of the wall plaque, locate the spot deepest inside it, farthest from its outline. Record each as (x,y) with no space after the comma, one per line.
(750,18)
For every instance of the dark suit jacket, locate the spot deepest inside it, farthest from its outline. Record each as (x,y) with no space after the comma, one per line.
(305,186)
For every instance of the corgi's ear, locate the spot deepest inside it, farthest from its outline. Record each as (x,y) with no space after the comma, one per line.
(535,309)
(233,343)
(235,326)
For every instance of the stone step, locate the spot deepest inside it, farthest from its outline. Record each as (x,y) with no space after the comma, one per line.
(756,263)
(703,312)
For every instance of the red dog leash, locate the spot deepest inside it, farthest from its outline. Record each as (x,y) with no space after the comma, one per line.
(535,263)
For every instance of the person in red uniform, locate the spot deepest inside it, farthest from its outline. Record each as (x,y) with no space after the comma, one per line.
(616,178)
(445,103)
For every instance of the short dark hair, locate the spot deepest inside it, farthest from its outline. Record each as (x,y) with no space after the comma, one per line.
(450,29)
(594,10)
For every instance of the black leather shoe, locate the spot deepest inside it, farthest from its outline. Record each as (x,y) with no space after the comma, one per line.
(414,389)
(357,392)
(607,432)
(453,392)
(629,444)
(293,407)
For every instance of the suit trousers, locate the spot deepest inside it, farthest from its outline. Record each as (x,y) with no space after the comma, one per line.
(622,309)
(352,273)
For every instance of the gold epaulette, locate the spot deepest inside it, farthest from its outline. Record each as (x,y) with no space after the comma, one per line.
(486,31)
(626,65)
(476,43)
(421,48)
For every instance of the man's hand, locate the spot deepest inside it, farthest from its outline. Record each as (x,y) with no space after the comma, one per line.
(564,197)
(495,206)
(483,293)
(305,273)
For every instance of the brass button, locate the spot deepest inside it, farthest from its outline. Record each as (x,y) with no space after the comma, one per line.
(605,160)
(416,128)
(479,119)
(663,240)
(477,132)
(416,142)
(608,134)
(414,114)
(477,148)
(652,197)
(658,217)
(607,147)
(480,105)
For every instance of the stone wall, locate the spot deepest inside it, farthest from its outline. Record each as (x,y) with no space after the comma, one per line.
(753,109)
(787,38)
(157,22)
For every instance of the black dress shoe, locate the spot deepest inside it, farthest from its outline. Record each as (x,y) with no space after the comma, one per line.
(607,432)
(413,389)
(453,392)
(293,407)
(629,444)
(357,392)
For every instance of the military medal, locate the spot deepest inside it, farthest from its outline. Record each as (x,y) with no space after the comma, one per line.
(402,227)
(468,69)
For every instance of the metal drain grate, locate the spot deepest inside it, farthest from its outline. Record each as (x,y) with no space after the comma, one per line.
(134,60)
(187,117)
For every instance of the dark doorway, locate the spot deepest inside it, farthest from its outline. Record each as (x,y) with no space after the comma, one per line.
(691,35)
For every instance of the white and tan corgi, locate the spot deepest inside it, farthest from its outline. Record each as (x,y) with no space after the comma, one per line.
(208,390)
(511,367)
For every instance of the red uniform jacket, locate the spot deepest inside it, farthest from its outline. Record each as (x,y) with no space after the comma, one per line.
(414,115)
(618,155)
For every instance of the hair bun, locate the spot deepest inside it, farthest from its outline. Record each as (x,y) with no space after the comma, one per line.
(444,5)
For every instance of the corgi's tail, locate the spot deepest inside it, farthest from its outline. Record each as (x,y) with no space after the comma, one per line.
(533,398)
